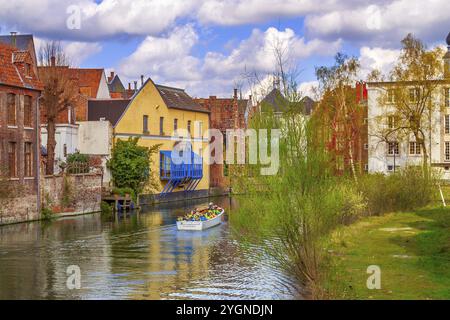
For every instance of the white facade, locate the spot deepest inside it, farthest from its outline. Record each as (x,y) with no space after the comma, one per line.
(66,136)
(103,90)
(95,138)
(380,160)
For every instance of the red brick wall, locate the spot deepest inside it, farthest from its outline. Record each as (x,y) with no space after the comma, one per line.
(223,116)
(21,205)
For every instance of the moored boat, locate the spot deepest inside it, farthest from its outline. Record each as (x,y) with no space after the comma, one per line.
(202,222)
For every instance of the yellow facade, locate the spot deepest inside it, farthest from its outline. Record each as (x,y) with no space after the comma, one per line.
(148,102)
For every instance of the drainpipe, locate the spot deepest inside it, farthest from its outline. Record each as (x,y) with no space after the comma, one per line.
(38,156)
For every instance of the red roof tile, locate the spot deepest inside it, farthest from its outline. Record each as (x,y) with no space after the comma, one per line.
(12,71)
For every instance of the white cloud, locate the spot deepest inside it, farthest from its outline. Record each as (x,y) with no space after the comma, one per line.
(257,52)
(165,58)
(383,23)
(102,20)
(169,59)
(78,52)
(377,58)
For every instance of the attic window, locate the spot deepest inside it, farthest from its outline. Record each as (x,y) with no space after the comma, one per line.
(27,70)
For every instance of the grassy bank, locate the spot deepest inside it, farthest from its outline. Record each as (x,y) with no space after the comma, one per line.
(412,249)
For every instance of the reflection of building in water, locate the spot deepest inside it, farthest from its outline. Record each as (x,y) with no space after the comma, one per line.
(34,257)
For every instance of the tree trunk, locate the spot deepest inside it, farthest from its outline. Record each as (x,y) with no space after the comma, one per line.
(51,144)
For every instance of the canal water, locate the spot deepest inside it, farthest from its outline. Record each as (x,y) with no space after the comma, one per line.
(140,256)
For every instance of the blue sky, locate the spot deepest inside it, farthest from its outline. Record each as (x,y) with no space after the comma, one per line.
(205,46)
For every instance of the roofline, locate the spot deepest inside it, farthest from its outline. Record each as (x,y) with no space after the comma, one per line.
(167,87)
(20,87)
(406,82)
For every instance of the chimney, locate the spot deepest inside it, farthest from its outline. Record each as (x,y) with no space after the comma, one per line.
(129,86)
(52,61)
(13,38)
(112,74)
(235,96)
(142,80)
(135,85)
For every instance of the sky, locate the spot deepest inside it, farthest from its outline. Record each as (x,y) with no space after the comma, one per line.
(209,46)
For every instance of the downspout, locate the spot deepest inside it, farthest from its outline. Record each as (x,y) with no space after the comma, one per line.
(38,156)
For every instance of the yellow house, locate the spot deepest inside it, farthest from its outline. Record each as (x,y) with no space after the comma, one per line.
(153,114)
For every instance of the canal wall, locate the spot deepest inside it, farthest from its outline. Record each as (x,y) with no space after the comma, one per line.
(18,209)
(148,199)
(72,194)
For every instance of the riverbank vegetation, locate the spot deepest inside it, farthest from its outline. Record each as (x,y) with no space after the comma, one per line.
(130,166)
(412,250)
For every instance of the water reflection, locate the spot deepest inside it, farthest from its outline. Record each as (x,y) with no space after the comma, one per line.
(139,256)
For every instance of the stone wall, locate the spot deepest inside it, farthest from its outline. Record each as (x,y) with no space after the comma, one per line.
(72,194)
(14,210)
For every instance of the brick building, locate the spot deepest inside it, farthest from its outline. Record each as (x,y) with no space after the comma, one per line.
(19,135)
(92,84)
(226,113)
(345,135)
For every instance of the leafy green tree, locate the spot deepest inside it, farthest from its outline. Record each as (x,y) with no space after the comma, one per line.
(130,165)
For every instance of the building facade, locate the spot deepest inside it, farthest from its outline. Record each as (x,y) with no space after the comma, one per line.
(226,113)
(92,84)
(390,151)
(19,136)
(154,114)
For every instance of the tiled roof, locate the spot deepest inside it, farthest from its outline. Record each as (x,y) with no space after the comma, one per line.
(22,56)
(275,100)
(110,109)
(12,74)
(176,98)
(88,78)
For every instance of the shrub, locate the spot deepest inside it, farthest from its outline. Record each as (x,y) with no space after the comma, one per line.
(408,188)
(130,164)
(46,213)
(105,207)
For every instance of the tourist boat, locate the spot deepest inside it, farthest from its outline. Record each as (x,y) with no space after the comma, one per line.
(200,225)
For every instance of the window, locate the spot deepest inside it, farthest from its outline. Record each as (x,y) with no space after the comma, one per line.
(366,146)
(414,95)
(391,96)
(27,110)
(414,148)
(27,70)
(28,166)
(393,148)
(447,124)
(391,122)
(175,124)
(11,101)
(145,124)
(447,151)
(189,126)
(161,126)
(366,167)
(392,168)
(200,129)
(12,156)
(447,97)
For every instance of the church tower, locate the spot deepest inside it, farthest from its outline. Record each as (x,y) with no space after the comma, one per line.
(447,60)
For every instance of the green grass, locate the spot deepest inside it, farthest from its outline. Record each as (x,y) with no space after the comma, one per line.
(412,249)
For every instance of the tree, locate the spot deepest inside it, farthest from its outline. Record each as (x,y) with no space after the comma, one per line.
(339,107)
(407,99)
(60,92)
(130,165)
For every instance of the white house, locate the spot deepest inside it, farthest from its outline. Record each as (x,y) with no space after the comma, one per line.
(386,154)
(95,138)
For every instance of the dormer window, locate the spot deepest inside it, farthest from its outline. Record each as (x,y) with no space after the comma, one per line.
(27,70)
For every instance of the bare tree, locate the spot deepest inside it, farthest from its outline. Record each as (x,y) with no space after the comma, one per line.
(60,92)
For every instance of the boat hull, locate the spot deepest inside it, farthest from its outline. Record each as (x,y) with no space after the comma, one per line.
(200,225)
